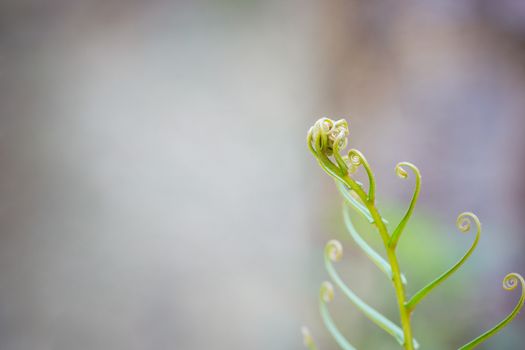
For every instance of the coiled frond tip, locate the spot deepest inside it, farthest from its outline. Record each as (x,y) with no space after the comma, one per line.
(334,250)
(464,221)
(510,282)
(328,135)
(327,292)
(308,340)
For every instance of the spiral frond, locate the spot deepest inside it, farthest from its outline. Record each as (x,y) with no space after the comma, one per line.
(308,340)
(356,159)
(403,173)
(321,130)
(400,172)
(326,293)
(334,250)
(510,282)
(340,143)
(463,223)
(327,135)
(310,140)
(326,138)
(339,134)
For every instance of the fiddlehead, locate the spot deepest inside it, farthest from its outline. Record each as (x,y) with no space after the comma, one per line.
(334,253)
(463,223)
(327,136)
(308,340)
(510,282)
(326,295)
(325,139)
(320,132)
(402,173)
(356,159)
(338,138)
(333,250)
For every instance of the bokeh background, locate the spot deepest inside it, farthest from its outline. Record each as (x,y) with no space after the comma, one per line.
(156,191)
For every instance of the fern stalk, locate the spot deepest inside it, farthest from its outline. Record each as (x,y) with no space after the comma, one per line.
(392,259)
(325,140)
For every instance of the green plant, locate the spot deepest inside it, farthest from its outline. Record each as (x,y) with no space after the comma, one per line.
(326,140)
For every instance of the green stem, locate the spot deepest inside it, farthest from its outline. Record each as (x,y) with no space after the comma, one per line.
(360,208)
(404,312)
(372,314)
(361,243)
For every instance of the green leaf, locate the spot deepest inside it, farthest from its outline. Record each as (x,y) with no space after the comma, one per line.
(333,252)
(326,296)
(330,325)
(371,253)
(361,209)
(463,223)
(402,173)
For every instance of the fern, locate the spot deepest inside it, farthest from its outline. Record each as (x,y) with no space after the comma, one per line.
(326,140)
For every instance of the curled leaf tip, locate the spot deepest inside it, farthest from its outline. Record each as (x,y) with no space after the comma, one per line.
(327,292)
(328,135)
(510,282)
(464,221)
(334,250)
(402,172)
(355,158)
(308,340)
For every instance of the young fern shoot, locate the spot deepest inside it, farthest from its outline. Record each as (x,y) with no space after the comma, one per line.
(326,140)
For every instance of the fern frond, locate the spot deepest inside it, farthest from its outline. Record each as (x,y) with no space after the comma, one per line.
(334,252)
(369,251)
(463,223)
(510,282)
(326,295)
(402,173)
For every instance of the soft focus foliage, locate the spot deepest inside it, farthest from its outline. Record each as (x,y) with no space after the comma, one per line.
(327,140)
(152,152)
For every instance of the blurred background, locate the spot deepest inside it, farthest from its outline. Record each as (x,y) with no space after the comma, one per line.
(157,192)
